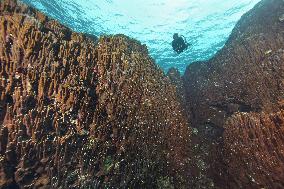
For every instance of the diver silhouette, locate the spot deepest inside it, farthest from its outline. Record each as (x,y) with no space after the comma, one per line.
(179,43)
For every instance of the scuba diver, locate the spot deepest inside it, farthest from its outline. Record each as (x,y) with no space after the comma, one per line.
(179,43)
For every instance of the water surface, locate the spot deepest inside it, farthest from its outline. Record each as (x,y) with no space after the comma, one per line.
(205,23)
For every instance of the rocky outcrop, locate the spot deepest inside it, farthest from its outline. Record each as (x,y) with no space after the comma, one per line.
(77,112)
(236,101)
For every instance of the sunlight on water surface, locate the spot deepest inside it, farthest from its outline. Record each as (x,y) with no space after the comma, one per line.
(205,23)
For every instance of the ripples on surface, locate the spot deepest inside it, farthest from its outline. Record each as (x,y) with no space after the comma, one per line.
(205,23)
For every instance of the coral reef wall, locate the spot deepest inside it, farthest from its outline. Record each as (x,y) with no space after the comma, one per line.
(77,111)
(236,101)
(246,75)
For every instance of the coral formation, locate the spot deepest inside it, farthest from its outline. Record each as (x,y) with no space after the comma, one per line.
(246,75)
(236,100)
(253,144)
(79,112)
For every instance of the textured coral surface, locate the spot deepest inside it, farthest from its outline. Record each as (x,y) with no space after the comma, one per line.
(247,74)
(236,102)
(254,144)
(79,112)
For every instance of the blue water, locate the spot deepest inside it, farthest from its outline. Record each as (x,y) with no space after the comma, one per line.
(205,23)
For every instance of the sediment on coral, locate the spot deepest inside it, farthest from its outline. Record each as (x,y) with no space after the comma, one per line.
(78,112)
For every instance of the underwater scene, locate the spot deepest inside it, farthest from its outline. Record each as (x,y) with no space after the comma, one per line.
(166,94)
(205,24)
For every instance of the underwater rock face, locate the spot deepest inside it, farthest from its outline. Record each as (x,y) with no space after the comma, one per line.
(238,92)
(80,112)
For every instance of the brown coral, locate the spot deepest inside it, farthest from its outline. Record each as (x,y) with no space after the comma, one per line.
(76,112)
(254,147)
(235,98)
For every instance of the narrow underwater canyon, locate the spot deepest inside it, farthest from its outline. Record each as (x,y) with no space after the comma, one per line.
(78,111)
